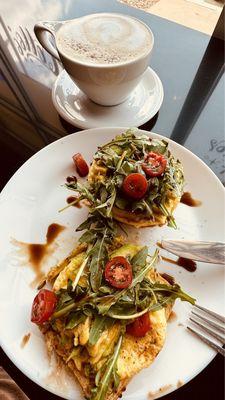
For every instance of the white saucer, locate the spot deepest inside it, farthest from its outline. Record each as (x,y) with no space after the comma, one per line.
(76,108)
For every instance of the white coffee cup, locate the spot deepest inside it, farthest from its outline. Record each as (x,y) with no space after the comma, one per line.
(105,54)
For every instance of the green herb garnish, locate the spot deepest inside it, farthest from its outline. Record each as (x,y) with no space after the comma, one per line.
(122,156)
(108,375)
(99,324)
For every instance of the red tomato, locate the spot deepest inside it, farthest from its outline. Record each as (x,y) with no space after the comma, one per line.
(155,164)
(118,272)
(135,186)
(80,164)
(43,306)
(140,326)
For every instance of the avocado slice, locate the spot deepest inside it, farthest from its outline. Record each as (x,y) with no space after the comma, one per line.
(69,272)
(126,250)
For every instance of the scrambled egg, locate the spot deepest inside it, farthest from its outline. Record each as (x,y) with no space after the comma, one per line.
(81,332)
(97,172)
(104,345)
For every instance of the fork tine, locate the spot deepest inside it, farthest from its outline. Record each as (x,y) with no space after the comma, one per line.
(214,314)
(210,331)
(210,323)
(207,341)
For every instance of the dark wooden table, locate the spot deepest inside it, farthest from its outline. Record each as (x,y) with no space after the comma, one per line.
(190,65)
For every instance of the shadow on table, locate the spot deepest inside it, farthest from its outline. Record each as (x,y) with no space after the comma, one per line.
(206,79)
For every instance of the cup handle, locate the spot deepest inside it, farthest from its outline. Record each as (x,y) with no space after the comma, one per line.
(41,29)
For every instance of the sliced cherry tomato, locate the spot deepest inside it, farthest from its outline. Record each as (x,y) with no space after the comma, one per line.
(80,164)
(135,186)
(155,164)
(43,306)
(140,326)
(118,272)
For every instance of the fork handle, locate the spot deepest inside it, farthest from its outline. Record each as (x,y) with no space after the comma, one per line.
(214,346)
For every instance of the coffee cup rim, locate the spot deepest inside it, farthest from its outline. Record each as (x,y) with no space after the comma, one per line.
(102,65)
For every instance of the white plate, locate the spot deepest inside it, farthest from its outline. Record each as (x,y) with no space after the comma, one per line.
(76,108)
(30,202)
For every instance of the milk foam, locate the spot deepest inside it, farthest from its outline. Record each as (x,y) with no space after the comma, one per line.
(104,39)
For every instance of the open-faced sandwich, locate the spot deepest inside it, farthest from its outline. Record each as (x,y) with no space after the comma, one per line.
(134,179)
(106,312)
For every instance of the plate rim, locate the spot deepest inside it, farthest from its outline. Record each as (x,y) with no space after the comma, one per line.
(16,361)
(85,126)
(123,128)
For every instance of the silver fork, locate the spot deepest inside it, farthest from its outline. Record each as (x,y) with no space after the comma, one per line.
(205,320)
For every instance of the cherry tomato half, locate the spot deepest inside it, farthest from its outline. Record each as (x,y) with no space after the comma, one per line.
(135,186)
(140,326)
(155,164)
(118,272)
(80,164)
(43,306)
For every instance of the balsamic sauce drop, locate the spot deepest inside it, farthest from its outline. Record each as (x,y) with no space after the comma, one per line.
(187,199)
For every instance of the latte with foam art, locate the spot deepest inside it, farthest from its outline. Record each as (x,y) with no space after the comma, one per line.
(104,39)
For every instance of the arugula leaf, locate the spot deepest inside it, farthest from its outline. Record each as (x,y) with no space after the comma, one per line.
(64,298)
(74,353)
(97,380)
(109,373)
(86,224)
(79,273)
(141,274)
(74,319)
(117,310)
(63,311)
(106,289)
(142,206)
(110,202)
(98,326)
(85,192)
(139,260)
(80,290)
(170,218)
(88,300)
(120,160)
(159,146)
(161,295)
(106,302)
(116,378)
(127,168)
(87,237)
(118,181)
(175,289)
(98,255)
(103,194)
(121,203)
